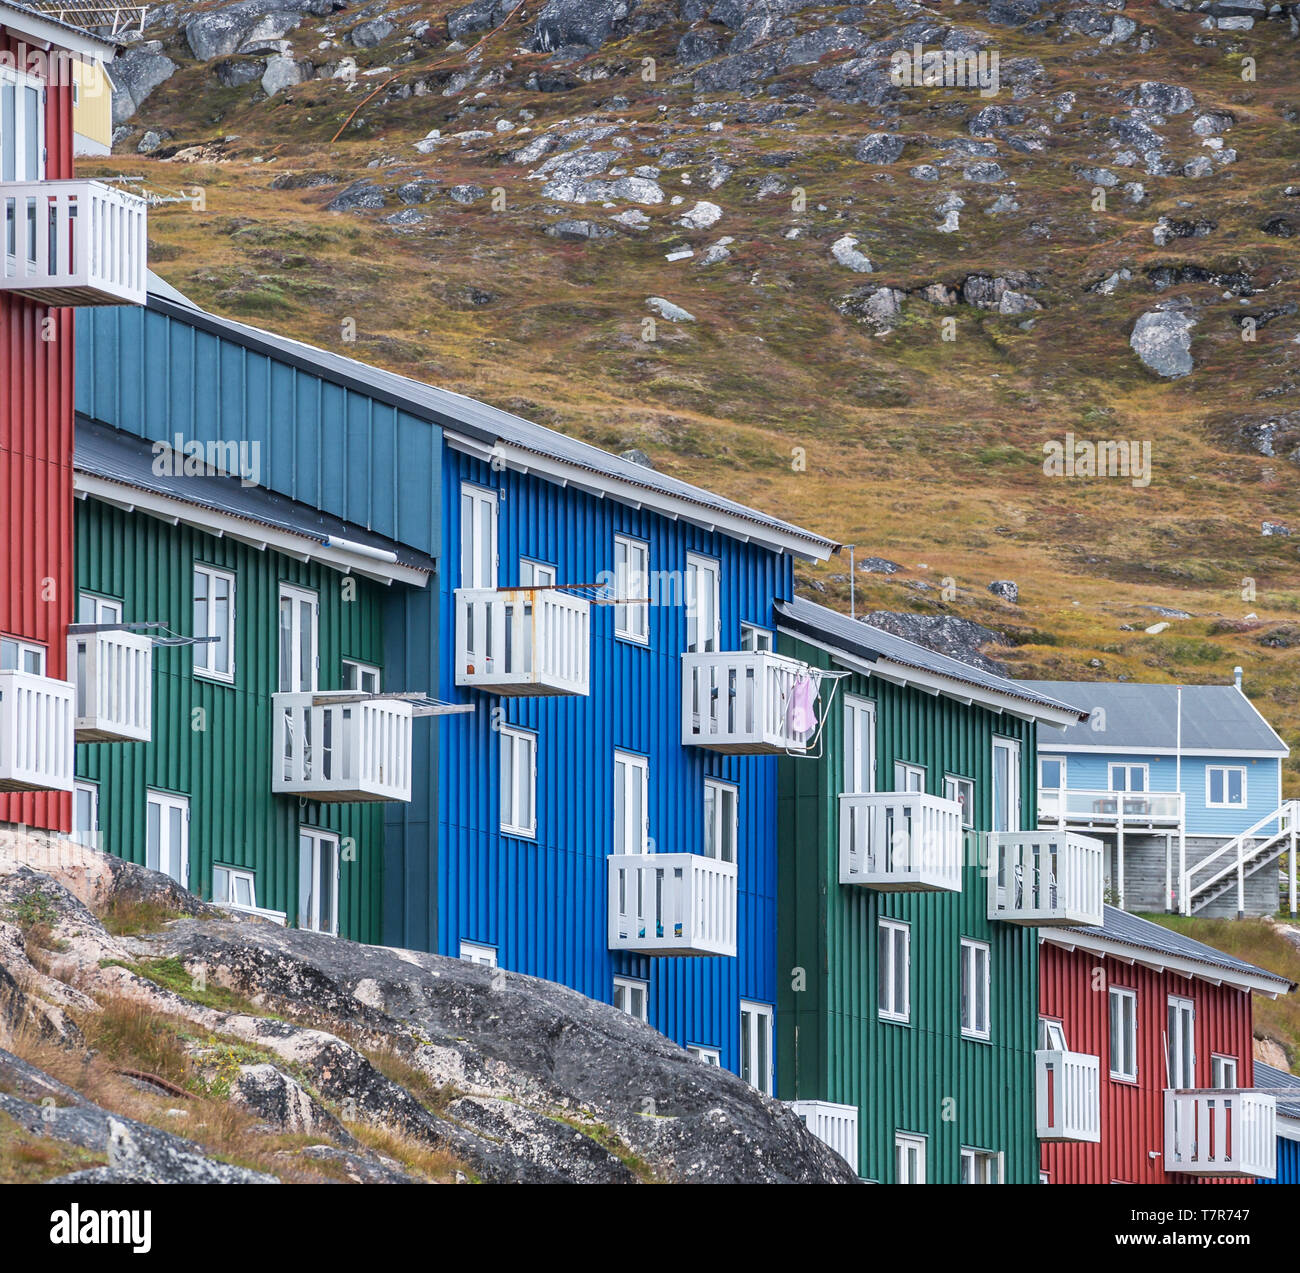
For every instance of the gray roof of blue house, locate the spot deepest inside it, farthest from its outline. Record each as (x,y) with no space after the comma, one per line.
(872,644)
(477,420)
(128,460)
(1269,1076)
(1140,716)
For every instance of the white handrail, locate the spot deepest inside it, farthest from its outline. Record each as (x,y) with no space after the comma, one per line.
(1286,816)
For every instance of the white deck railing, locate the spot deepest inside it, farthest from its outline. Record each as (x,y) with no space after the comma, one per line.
(523,641)
(672,904)
(1068,1095)
(744,702)
(1135,809)
(113,673)
(836,1125)
(1045,878)
(901,841)
(350,750)
(1241,856)
(73,243)
(37,742)
(1221,1132)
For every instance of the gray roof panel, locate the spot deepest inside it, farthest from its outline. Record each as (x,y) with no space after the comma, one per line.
(1269,1076)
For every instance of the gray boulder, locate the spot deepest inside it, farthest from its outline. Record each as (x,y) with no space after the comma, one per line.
(371,34)
(236,74)
(1162,339)
(282,73)
(221,32)
(360,194)
(135,75)
(666,309)
(578,231)
(480,15)
(879,148)
(945,633)
(466,194)
(1007,589)
(1168,99)
(562,23)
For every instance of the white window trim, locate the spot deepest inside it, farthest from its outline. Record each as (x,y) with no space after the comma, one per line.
(755,638)
(166,800)
(361,669)
(1183,1001)
(1045,1026)
(904,771)
(233,872)
(1056,760)
(698,564)
(891,1013)
(854,708)
(987,1156)
(971,1032)
(910,1140)
(720,787)
(1221,1060)
(543,574)
(472,952)
(705,1055)
(215,572)
(639,767)
(27,647)
(22,80)
(762,1014)
(1129,996)
(633,986)
(623,586)
(958,781)
(100,601)
(529,830)
(92,832)
(477,495)
(318,838)
(1125,765)
(1226,803)
(1015,789)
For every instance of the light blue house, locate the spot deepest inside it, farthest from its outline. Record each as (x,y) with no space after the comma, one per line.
(1184,785)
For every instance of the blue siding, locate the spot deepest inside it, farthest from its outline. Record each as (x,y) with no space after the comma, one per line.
(1288,1163)
(1090,771)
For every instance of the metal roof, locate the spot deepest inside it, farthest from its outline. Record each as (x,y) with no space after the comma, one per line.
(1269,1076)
(83,37)
(872,644)
(476,420)
(1140,716)
(124,458)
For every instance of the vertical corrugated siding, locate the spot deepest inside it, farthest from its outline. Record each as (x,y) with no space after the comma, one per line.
(225,767)
(1288,1163)
(922,1077)
(1075,988)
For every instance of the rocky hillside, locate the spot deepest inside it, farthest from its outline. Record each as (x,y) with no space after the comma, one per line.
(146,1036)
(724,234)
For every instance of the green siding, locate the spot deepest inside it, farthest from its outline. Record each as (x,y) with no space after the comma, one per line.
(922,1077)
(211,741)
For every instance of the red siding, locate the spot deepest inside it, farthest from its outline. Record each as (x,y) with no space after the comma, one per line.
(36,432)
(1073,987)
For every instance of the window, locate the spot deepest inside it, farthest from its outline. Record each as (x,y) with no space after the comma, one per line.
(1225,787)
(632,582)
(478,537)
(720,820)
(94,609)
(518,782)
(167,836)
(22,136)
(299,640)
(754,638)
(1129,778)
(703,618)
(908,777)
(631,798)
(756,1045)
(974,989)
(233,887)
(1180,1036)
(894,974)
(859,745)
(214,616)
(1051,1035)
(21,656)
(909,1159)
(708,1056)
(981,1167)
(1123,1034)
(632,996)
(1223,1071)
(363,677)
(1006,786)
(962,790)
(1051,772)
(474,953)
(85,814)
(536,574)
(318,881)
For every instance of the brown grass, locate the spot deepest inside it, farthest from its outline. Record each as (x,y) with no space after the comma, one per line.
(129,916)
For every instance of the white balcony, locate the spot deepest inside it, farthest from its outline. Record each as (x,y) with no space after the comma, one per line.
(901,842)
(1045,878)
(1069,1095)
(342,747)
(672,904)
(37,743)
(1210,1132)
(73,243)
(113,673)
(745,702)
(522,642)
(1135,810)
(836,1125)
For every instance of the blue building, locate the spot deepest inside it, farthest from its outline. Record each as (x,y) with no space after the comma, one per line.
(605,815)
(1288,1122)
(1184,785)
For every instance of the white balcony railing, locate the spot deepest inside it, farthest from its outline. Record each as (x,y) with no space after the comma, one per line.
(1068,1095)
(1045,878)
(746,702)
(1135,809)
(113,673)
(73,243)
(672,904)
(522,641)
(901,842)
(836,1125)
(350,749)
(1212,1132)
(37,742)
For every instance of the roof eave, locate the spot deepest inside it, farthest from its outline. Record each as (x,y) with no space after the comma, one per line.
(51,33)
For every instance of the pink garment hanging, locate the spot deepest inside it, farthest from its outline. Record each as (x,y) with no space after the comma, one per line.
(803,698)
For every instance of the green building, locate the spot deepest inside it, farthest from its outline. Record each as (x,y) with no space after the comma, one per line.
(907,1015)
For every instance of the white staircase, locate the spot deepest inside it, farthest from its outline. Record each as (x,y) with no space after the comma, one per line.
(1229,866)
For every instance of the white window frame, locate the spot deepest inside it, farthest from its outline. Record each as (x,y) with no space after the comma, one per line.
(297,678)
(632,581)
(22,653)
(355,674)
(1225,803)
(631,778)
(536,574)
(977,1163)
(859,726)
(909,777)
(1051,1035)
(887,955)
(1181,1050)
(1014,793)
(472,952)
(953,784)
(205,650)
(756,639)
(1223,1071)
(703,621)
(720,824)
(92,607)
(87,837)
(475,571)
(909,1158)
(167,802)
(975,968)
(24,106)
(632,995)
(705,1055)
(1052,760)
(1126,1049)
(756,1059)
(1129,769)
(514,744)
(309,907)
(230,876)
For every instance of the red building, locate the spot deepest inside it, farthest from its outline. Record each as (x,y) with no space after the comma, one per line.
(65,243)
(1145,1061)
